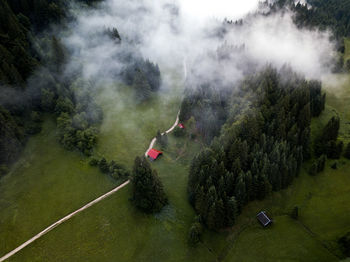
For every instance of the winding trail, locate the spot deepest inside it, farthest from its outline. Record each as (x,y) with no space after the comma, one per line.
(62,220)
(166,132)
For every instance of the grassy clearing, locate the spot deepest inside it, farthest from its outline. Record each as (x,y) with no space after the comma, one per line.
(46,184)
(49,182)
(115,230)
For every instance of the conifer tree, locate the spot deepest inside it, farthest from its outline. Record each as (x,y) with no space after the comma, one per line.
(147,190)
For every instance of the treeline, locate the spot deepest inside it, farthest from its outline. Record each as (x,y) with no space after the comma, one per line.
(78,118)
(111,168)
(324,14)
(42,13)
(144,76)
(260,153)
(208,106)
(31,81)
(321,14)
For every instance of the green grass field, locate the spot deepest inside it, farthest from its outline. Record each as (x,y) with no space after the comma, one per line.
(49,182)
(112,229)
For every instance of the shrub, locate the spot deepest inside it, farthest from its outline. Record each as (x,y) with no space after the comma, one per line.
(195,233)
(179,132)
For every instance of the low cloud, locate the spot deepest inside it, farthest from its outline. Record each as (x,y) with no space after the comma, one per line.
(186,34)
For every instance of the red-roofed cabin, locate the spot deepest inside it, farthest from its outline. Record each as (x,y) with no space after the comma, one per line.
(182,126)
(153,154)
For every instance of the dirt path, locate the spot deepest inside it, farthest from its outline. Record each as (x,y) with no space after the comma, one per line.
(166,132)
(48,229)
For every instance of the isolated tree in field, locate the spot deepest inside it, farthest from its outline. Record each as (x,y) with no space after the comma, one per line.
(147,189)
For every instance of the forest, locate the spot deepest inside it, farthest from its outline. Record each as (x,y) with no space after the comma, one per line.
(260,152)
(32,69)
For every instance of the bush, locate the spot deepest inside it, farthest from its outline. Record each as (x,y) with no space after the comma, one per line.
(344,243)
(347,151)
(179,132)
(318,165)
(195,233)
(295,213)
(93,162)
(103,165)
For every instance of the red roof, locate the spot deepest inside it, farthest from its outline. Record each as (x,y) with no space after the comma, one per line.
(154,153)
(181,125)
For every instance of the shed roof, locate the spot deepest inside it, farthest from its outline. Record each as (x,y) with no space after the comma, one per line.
(263,218)
(154,153)
(181,125)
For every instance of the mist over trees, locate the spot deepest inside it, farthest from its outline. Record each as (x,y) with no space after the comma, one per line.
(261,153)
(144,76)
(32,82)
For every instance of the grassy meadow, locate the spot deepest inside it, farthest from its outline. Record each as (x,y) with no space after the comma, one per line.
(49,182)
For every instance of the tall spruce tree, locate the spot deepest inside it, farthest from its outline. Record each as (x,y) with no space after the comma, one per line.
(147,190)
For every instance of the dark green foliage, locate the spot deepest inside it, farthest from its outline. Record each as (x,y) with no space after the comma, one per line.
(347,64)
(261,152)
(162,140)
(326,143)
(207,105)
(295,213)
(147,190)
(113,34)
(93,162)
(111,168)
(103,165)
(318,165)
(3,170)
(45,90)
(58,56)
(11,137)
(195,233)
(141,86)
(179,132)
(318,102)
(347,151)
(16,59)
(344,243)
(334,165)
(77,122)
(325,14)
(144,76)
(40,12)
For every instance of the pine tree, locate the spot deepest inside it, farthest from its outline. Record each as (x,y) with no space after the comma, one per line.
(142,88)
(58,54)
(240,191)
(232,211)
(147,189)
